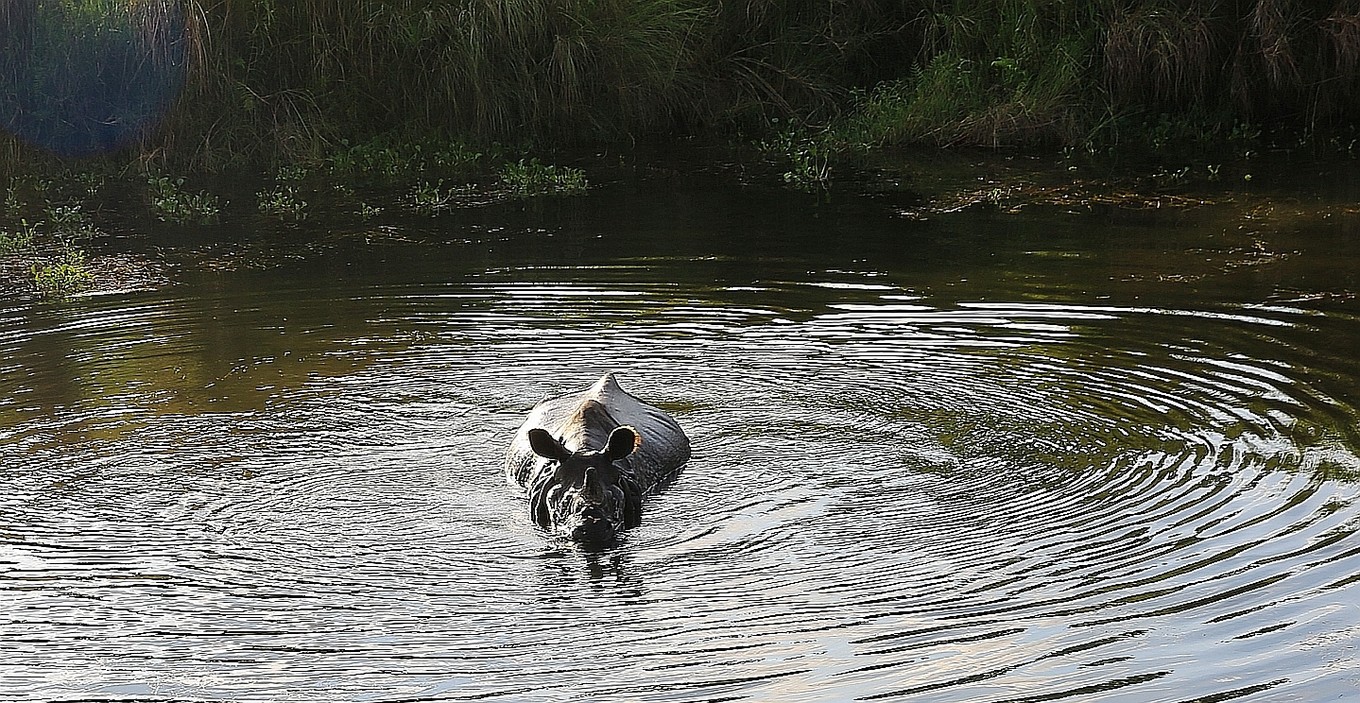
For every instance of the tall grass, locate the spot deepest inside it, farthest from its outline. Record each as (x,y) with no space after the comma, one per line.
(1019,71)
(295,78)
(219,81)
(985,73)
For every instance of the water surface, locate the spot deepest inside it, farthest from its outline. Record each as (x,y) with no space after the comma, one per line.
(973,453)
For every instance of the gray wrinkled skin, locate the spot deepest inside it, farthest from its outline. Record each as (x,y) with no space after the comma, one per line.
(586,460)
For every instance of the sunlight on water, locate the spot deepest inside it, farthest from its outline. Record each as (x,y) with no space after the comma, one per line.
(899,491)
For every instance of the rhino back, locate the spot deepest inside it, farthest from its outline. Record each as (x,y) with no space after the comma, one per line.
(584,420)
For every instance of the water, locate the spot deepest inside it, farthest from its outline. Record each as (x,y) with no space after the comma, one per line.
(1085,453)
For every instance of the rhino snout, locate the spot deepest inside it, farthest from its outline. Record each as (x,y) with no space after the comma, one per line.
(594,526)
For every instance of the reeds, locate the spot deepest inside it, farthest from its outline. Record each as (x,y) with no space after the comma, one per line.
(297,78)
(1274,62)
(1161,57)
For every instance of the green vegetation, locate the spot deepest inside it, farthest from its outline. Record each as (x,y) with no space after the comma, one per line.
(283,202)
(386,156)
(17,239)
(69,222)
(430,198)
(530,177)
(808,154)
(421,88)
(56,265)
(172,203)
(63,274)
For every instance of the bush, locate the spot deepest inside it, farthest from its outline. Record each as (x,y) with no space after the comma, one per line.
(273,81)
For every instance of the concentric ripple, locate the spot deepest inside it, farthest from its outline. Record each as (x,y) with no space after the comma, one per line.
(259,494)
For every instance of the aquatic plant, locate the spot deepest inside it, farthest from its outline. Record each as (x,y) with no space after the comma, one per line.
(282,202)
(292,173)
(389,157)
(532,177)
(62,275)
(172,203)
(89,182)
(428,198)
(371,159)
(70,222)
(16,239)
(807,153)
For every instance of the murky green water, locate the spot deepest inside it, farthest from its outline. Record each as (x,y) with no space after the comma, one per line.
(972,453)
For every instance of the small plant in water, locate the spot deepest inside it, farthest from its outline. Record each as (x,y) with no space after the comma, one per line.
(381,157)
(1170,177)
(809,158)
(70,222)
(63,275)
(531,177)
(283,202)
(173,204)
(15,240)
(430,198)
(291,172)
(90,182)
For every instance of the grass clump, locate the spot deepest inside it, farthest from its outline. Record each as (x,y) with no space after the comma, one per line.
(987,74)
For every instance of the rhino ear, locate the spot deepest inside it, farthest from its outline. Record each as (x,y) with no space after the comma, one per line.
(545,446)
(622,442)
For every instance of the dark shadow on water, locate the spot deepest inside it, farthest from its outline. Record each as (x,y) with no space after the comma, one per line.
(571,570)
(605,566)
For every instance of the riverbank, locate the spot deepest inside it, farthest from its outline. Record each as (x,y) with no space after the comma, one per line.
(78,231)
(82,234)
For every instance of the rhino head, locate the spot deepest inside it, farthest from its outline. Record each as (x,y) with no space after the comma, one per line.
(585,494)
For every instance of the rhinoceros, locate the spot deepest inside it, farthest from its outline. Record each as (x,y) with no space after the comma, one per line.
(587,459)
